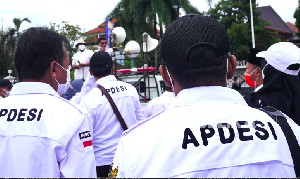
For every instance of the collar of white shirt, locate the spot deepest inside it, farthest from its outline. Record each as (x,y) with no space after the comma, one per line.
(106,79)
(258,88)
(195,95)
(169,94)
(33,88)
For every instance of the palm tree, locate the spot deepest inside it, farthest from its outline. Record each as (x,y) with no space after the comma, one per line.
(138,16)
(7,46)
(18,22)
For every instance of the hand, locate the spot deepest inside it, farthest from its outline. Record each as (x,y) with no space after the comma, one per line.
(75,66)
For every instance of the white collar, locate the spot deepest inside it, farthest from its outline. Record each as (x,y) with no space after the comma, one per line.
(258,88)
(169,94)
(205,94)
(32,88)
(106,79)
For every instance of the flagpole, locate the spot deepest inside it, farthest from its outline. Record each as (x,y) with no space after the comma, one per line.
(252,28)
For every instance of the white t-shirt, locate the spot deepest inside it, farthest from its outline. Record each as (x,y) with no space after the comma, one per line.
(107,128)
(208,132)
(43,135)
(159,103)
(82,57)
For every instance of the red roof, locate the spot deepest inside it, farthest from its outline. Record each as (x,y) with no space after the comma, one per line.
(292,27)
(100,28)
(276,23)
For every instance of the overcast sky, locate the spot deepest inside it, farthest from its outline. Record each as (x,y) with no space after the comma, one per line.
(89,14)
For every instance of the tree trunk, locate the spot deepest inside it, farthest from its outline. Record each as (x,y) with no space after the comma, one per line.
(154,26)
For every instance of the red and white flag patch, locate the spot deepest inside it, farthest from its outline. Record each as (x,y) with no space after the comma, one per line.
(86,139)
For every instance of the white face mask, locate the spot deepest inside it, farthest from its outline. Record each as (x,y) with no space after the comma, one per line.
(81,47)
(7,93)
(262,71)
(171,81)
(62,88)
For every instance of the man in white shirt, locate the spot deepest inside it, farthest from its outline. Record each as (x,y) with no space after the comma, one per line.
(166,99)
(43,135)
(81,60)
(107,129)
(209,131)
(103,46)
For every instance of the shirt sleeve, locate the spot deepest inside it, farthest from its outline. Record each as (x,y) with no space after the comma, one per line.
(79,160)
(87,86)
(119,167)
(74,61)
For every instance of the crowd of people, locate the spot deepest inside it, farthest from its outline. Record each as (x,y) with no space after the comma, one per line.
(197,128)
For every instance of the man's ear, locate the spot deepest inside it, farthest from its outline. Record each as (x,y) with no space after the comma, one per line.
(231,66)
(90,72)
(165,76)
(52,69)
(259,72)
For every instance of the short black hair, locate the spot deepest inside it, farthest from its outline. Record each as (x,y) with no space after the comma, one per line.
(206,76)
(5,83)
(195,49)
(101,64)
(101,38)
(36,48)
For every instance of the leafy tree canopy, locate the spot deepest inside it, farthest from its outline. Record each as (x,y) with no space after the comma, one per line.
(72,33)
(234,15)
(8,39)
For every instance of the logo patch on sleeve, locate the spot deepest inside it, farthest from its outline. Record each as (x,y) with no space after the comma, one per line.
(84,135)
(86,139)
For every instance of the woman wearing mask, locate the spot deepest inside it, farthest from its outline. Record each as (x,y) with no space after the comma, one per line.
(281,83)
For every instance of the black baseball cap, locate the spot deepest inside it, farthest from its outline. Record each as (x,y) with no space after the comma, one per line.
(100,60)
(5,83)
(253,59)
(192,31)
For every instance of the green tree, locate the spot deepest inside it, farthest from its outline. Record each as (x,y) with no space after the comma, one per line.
(72,33)
(18,22)
(8,39)
(297,17)
(139,16)
(234,15)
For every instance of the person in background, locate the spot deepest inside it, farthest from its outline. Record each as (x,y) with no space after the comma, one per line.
(254,76)
(75,87)
(253,73)
(5,87)
(103,46)
(42,134)
(236,85)
(166,99)
(209,131)
(81,60)
(281,85)
(107,128)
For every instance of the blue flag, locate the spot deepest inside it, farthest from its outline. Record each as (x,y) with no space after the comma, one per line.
(108,29)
